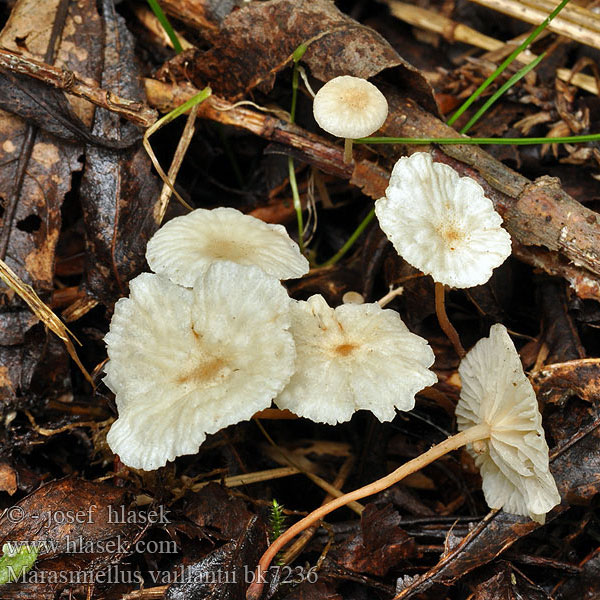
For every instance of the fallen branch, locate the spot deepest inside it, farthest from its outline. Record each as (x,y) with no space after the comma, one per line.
(537,214)
(67,81)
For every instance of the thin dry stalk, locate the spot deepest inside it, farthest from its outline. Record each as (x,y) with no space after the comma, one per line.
(43,313)
(79,308)
(165,178)
(393,293)
(155,593)
(305,466)
(457,32)
(248,478)
(467,436)
(148,19)
(575,22)
(184,142)
(296,548)
(50,432)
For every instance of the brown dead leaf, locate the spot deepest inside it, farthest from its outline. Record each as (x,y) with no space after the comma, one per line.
(586,585)
(509,584)
(380,545)
(216,508)
(118,191)
(559,333)
(70,522)
(558,382)
(320,590)
(35,174)
(223,573)
(8,479)
(257,41)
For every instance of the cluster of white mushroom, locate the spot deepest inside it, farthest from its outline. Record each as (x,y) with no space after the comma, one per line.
(212,337)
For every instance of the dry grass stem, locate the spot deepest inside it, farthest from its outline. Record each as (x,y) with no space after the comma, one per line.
(79,308)
(390,296)
(43,313)
(305,466)
(296,548)
(248,478)
(575,22)
(50,432)
(186,137)
(148,19)
(457,32)
(149,594)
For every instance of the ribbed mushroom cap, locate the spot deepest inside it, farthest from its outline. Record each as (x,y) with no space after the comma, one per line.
(514,461)
(357,356)
(185,247)
(442,223)
(185,363)
(350,107)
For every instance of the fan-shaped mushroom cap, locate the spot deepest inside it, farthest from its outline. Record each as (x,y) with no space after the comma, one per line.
(442,223)
(185,247)
(514,460)
(350,107)
(357,356)
(185,363)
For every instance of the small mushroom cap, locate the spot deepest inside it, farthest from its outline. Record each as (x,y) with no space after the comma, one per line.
(186,363)
(357,356)
(350,107)
(442,223)
(185,247)
(514,461)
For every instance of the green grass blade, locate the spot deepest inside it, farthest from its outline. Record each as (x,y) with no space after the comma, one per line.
(530,38)
(516,77)
(297,203)
(197,99)
(296,56)
(350,242)
(160,15)
(522,141)
(183,108)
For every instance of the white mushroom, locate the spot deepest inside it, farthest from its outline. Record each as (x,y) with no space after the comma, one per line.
(442,223)
(185,363)
(514,459)
(357,356)
(501,426)
(350,107)
(185,247)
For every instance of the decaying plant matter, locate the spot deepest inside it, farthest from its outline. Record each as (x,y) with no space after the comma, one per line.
(235,405)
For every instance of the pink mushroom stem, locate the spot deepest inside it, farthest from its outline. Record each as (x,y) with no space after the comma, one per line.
(444,321)
(478,432)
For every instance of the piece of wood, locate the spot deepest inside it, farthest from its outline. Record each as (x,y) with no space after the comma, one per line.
(69,82)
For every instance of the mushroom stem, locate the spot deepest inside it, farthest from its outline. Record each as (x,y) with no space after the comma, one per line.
(348,150)
(447,327)
(477,432)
